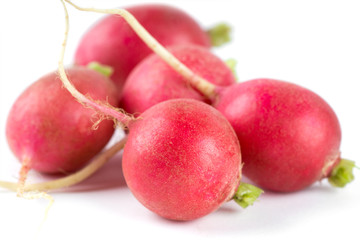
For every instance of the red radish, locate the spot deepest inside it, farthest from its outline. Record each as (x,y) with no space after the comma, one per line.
(112,42)
(290,137)
(182,159)
(153,81)
(277,157)
(49,131)
(266,156)
(314,167)
(280,157)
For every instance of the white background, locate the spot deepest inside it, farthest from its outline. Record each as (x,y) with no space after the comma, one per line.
(312,43)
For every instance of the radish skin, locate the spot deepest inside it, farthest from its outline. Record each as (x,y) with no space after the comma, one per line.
(173,127)
(111,41)
(290,137)
(183,163)
(153,81)
(217,95)
(49,131)
(197,81)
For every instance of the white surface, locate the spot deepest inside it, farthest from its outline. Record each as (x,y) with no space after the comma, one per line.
(312,43)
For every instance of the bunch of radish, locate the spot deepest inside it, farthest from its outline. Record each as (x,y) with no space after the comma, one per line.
(197,131)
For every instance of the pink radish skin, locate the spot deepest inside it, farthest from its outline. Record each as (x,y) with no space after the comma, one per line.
(153,80)
(338,171)
(112,42)
(290,137)
(191,150)
(182,159)
(51,130)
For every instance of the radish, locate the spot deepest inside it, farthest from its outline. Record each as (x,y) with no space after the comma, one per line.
(153,81)
(290,137)
(49,131)
(246,108)
(279,160)
(112,42)
(182,159)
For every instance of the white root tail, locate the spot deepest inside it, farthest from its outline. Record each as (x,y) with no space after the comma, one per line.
(72,179)
(102,108)
(207,88)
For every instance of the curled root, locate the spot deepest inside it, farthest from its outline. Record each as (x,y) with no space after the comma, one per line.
(39,195)
(24,170)
(207,88)
(72,179)
(30,195)
(99,116)
(104,108)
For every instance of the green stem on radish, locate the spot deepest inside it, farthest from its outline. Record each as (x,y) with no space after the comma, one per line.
(100,68)
(72,179)
(342,173)
(208,89)
(231,63)
(246,194)
(219,34)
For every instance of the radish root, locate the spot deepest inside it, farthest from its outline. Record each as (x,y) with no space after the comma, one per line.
(72,179)
(24,170)
(208,89)
(30,195)
(101,108)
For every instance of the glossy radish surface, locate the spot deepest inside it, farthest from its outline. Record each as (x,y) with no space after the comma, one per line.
(153,80)
(112,42)
(338,171)
(290,136)
(182,159)
(53,132)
